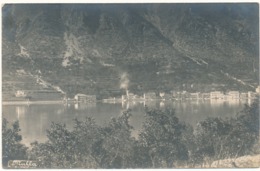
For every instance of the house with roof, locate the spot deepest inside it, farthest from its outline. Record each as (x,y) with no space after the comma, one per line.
(83,98)
(216,95)
(233,95)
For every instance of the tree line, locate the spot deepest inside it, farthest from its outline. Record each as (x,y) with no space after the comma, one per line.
(163,142)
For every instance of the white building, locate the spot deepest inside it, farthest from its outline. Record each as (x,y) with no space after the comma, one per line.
(85,98)
(233,95)
(251,95)
(243,95)
(257,90)
(195,95)
(20,93)
(216,95)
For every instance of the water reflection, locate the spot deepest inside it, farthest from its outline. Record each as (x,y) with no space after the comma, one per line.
(84,106)
(20,111)
(35,119)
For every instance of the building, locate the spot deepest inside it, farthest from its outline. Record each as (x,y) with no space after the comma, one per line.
(130,96)
(124,97)
(162,94)
(251,95)
(195,95)
(243,95)
(83,98)
(257,90)
(174,94)
(167,96)
(180,95)
(233,95)
(216,95)
(149,95)
(20,93)
(205,95)
(185,95)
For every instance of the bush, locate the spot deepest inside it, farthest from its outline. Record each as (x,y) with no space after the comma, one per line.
(163,142)
(12,149)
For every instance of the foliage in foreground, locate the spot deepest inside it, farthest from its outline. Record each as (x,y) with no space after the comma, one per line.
(163,142)
(12,149)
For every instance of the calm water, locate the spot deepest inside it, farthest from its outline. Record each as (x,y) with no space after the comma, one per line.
(35,119)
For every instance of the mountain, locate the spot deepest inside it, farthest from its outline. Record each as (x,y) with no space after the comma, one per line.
(103,49)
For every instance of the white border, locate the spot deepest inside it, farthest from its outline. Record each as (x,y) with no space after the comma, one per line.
(110,1)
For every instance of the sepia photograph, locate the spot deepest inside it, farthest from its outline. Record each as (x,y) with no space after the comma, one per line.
(130,85)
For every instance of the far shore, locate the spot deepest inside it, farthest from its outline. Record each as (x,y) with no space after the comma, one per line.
(32,102)
(25,102)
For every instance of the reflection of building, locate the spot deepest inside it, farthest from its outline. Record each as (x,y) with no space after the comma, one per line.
(162,104)
(216,102)
(233,101)
(84,106)
(83,98)
(20,110)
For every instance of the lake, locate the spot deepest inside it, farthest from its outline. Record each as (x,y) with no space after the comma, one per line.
(36,118)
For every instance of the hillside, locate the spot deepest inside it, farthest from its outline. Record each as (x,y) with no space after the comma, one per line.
(94,48)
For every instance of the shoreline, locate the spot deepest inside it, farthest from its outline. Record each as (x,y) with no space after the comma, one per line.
(32,102)
(23,102)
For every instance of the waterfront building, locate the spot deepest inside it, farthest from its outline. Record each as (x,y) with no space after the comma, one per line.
(20,93)
(130,96)
(205,95)
(257,90)
(150,95)
(195,95)
(167,96)
(251,95)
(216,95)
(185,95)
(233,95)
(162,94)
(174,95)
(83,98)
(124,97)
(243,95)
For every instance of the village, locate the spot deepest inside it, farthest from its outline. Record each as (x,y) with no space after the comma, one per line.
(184,95)
(37,90)
(49,95)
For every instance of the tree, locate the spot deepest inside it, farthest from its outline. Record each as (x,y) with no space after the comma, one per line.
(118,143)
(87,145)
(212,139)
(216,138)
(245,132)
(162,136)
(11,143)
(68,149)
